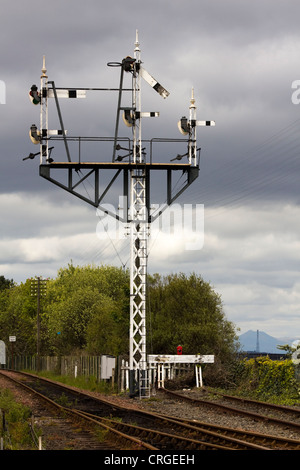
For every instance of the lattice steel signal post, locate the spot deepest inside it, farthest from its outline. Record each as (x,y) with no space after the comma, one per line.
(136,172)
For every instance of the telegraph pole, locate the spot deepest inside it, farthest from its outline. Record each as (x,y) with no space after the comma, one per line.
(136,172)
(38,290)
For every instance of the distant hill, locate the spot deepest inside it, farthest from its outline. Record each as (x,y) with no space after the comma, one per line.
(267,343)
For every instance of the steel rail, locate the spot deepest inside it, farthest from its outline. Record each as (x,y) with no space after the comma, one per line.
(232,410)
(215,434)
(115,427)
(215,440)
(73,412)
(188,428)
(208,438)
(263,404)
(107,424)
(271,441)
(161,438)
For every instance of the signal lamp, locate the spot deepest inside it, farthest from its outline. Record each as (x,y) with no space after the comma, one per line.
(34,134)
(34,95)
(184,126)
(128,118)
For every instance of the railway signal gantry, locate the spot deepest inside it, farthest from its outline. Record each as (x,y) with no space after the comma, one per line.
(136,170)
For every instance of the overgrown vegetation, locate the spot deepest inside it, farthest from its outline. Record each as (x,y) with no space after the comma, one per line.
(267,380)
(84,382)
(14,424)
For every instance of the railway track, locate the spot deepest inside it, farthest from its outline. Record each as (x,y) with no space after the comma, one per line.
(64,418)
(258,416)
(268,406)
(148,438)
(265,440)
(147,430)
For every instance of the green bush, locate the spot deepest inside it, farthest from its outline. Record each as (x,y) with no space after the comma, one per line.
(16,432)
(268,380)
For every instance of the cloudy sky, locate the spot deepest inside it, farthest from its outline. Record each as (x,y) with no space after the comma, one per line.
(242,59)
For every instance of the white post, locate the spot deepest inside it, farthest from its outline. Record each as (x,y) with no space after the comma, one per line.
(126,377)
(159,378)
(192,143)
(198,373)
(122,375)
(44,113)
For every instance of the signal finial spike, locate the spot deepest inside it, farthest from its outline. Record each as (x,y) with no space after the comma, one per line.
(44,70)
(137,44)
(192,101)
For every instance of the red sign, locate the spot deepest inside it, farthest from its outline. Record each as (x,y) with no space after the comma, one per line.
(179,349)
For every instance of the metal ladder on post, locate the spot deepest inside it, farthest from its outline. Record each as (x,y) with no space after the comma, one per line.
(144,386)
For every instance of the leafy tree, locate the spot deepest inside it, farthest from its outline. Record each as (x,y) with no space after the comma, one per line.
(79,297)
(5,283)
(18,318)
(87,309)
(104,335)
(292,352)
(186,311)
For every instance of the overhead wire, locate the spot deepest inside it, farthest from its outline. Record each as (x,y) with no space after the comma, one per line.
(104,249)
(232,174)
(245,171)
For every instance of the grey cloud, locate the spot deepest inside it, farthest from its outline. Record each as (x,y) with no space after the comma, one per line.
(240,57)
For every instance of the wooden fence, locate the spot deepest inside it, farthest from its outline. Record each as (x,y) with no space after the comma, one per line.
(101,367)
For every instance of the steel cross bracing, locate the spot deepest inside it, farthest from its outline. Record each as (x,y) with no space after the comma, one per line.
(136,172)
(138,244)
(138,274)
